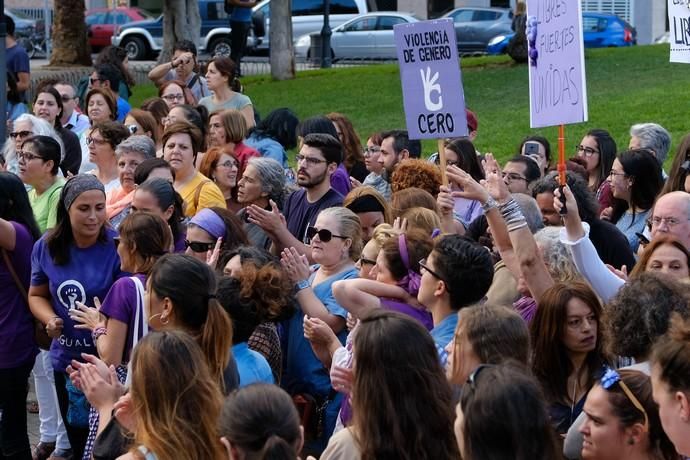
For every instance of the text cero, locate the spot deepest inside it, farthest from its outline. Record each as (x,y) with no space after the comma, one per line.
(435,123)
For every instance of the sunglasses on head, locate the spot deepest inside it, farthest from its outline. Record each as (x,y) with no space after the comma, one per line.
(324,235)
(198,246)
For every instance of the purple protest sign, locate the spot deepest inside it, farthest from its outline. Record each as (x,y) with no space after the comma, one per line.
(431,81)
(557,85)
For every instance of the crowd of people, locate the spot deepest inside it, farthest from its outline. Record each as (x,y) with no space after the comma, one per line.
(175,289)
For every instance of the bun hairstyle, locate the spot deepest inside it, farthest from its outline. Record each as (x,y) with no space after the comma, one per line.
(262,422)
(191,287)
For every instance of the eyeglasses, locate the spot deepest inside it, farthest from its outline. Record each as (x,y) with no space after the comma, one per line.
(27,156)
(324,235)
(94,80)
(229,164)
(21,134)
(132,128)
(365,261)
(510,177)
(117,241)
(67,98)
(309,160)
(173,97)
(437,160)
(472,379)
(588,151)
(610,378)
(614,173)
(198,246)
(670,221)
(425,267)
(92,140)
(371,150)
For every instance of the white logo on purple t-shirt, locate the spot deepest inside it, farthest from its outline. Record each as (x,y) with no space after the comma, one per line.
(70,292)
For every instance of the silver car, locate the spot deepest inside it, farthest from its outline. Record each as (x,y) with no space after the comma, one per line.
(475,27)
(368,36)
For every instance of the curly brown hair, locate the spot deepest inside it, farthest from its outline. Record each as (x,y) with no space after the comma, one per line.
(416,173)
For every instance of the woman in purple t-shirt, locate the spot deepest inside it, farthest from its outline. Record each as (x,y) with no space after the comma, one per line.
(75,261)
(121,321)
(18,231)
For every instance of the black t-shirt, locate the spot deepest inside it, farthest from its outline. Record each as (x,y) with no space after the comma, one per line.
(611,244)
(300,214)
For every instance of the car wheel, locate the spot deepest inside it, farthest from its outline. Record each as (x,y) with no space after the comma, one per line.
(136,48)
(220,47)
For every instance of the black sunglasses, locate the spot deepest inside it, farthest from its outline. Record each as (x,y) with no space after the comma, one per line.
(363,260)
(324,235)
(472,379)
(198,246)
(116,240)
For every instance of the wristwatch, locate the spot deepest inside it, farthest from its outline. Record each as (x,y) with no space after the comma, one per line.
(490,204)
(303,284)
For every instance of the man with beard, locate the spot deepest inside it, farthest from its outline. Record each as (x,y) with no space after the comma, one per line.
(317,160)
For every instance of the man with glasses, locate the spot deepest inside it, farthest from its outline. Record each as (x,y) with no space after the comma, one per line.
(71,118)
(317,160)
(519,173)
(107,76)
(457,274)
(671,216)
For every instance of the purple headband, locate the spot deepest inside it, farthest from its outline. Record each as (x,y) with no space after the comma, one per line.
(412,280)
(210,222)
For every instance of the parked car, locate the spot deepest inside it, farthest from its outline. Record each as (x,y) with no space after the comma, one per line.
(24,25)
(368,36)
(598,30)
(144,39)
(102,23)
(476,27)
(307,17)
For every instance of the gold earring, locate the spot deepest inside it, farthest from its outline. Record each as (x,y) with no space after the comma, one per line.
(164,320)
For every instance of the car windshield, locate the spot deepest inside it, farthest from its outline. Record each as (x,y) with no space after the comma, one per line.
(148,14)
(20,14)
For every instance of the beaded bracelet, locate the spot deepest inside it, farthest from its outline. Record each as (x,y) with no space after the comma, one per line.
(99,331)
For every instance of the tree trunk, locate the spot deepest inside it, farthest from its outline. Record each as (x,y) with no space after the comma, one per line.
(181,21)
(280,38)
(70,43)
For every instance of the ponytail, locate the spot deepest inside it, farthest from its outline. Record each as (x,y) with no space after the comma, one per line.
(236,85)
(277,448)
(215,340)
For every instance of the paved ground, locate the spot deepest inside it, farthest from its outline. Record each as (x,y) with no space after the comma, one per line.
(33,423)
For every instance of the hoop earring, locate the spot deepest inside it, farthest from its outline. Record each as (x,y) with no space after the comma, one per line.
(153,316)
(164,320)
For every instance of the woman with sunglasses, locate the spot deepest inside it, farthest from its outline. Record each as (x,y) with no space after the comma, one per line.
(48,106)
(623,420)
(336,243)
(23,127)
(141,122)
(221,165)
(397,280)
(101,106)
(130,153)
(212,227)
(39,159)
(598,150)
(501,416)
(102,140)
(75,262)
(120,321)
(403,408)
(181,143)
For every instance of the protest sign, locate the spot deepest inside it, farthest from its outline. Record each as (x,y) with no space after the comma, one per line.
(679,30)
(431,81)
(556,61)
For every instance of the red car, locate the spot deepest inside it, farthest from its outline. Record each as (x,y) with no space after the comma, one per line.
(102,22)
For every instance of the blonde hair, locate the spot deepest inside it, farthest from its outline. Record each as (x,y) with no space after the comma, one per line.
(349,227)
(234,124)
(176,401)
(422,218)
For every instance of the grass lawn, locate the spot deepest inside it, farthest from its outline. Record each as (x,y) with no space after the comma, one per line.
(625,86)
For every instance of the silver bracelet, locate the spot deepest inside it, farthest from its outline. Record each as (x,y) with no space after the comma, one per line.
(489,205)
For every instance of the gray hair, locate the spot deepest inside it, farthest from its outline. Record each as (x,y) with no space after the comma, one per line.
(653,137)
(349,227)
(39,127)
(556,255)
(272,177)
(140,144)
(530,209)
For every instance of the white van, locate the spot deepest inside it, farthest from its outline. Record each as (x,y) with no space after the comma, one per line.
(307,17)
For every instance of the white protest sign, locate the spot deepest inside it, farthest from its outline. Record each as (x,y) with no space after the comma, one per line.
(679,30)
